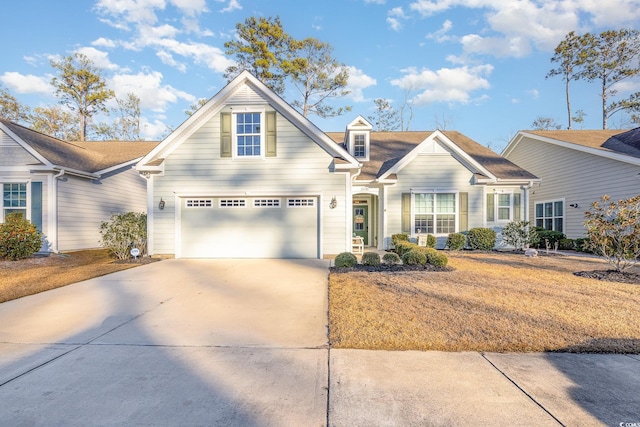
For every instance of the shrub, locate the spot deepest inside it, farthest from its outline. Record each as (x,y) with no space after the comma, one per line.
(124,231)
(346,259)
(567,244)
(456,241)
(414,257)
(399,237)
(582,245)
(520,234)
(19,238)
(483,239)
(614,230)
(391,258)
(435,257)
(431,241)
(549,237)
(403,247)
(371,258)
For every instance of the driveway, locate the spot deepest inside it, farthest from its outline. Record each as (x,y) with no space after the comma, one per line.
(178,342)
(244,343)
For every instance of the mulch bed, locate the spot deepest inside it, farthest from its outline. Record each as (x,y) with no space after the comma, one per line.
(390,268)
(611,276)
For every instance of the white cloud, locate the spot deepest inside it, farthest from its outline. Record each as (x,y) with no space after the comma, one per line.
(233,5)
(148,87)
(104,42)
(169,60)
(454,85)
(133,11)
(441,35)
(516,47)
(21,83)
(395,17)
(376,1)
(358,81)
(99,58)
(191,7)
(533,93)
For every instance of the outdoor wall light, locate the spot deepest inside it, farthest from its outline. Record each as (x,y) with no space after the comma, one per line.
(574,205)
(161,204)
(333,203)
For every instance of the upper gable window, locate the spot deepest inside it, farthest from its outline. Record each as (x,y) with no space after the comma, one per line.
(360,145)
(249,134)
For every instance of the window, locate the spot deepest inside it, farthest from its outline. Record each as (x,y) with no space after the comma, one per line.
(292,203)
(504,207)
(233,203)
(266,203)
(198,203)
(359,147)
(248,135)
(550,215)
(14,199)
(434,213)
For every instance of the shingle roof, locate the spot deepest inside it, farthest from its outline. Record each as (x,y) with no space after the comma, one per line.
(387,148)
(84,156)
(619,141)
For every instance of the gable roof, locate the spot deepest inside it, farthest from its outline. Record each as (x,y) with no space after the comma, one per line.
(153,160)
(617,144)
(387,149)
(91,157)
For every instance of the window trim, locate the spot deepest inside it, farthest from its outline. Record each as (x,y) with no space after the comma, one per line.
(232,203)
(234,132)
(497,206)
(301,202)
(352,144)
(267,203)
(553,217)
(27,207)
(456,226)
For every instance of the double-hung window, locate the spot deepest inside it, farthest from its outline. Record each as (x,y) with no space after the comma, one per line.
(14,199)
(550,215)
(434,213)
(359,145)
(504,207)
(248,134)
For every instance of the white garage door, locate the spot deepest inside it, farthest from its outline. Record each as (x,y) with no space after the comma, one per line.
(251,227)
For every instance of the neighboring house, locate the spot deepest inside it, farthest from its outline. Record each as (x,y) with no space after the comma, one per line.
(577,167)
(249,176)
(68,188)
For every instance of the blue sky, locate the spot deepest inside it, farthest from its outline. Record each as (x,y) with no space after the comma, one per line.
(476,66)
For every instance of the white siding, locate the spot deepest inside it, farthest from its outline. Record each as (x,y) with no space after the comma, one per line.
(301,166)
(13,154)
(83,204)
(574,176)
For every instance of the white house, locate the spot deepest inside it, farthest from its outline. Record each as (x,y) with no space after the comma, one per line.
(248,176)
(577,167)
(68,188)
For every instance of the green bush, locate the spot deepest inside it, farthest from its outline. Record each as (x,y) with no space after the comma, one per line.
(124,231)
(434,257)
(399,237)
(346,259)
(483,239)
(431,241)
(520,234)
(456,241)
(371,258)
(391,258)
(567,245)
(582,245)
(550,236)
(403,247)
(414,257)
(19,238)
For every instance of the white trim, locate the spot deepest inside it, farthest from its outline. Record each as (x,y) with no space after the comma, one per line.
(552,201)
(456,225)
(235,110)
(150,215)
(496,206)
(27,207)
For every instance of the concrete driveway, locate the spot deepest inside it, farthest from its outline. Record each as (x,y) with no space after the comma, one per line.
(244,343)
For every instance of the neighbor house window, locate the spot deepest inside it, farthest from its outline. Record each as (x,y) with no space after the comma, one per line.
(434,213)
(550,215)
(248,134)
(14,199)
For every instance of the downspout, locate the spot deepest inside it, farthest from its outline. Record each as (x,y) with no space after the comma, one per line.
(526,189)
(60,174)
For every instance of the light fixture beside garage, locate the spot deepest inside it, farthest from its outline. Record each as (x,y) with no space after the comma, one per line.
(333,203)
(161,204)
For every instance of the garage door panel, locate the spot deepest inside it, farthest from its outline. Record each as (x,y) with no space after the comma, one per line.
(250,231)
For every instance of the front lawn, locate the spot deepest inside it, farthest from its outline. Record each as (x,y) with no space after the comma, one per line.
(492,302)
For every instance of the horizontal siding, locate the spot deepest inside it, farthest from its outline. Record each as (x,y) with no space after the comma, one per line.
(575,176)
(84,204)
(16,156)
(300,166)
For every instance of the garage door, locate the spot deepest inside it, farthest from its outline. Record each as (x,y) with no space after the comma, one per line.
(252,227)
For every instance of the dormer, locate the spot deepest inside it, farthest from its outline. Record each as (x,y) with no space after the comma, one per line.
(357,138)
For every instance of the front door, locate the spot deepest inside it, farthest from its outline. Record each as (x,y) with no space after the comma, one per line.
(361,222)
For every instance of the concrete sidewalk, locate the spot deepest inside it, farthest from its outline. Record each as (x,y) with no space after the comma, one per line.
(244,343)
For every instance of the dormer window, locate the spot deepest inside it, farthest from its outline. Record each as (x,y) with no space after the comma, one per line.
(357,138)
(359,145)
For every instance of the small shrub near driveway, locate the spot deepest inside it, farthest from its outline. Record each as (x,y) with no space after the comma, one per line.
(399,237)
(346,260)
(371,259)
(402,247)
(124,231)
(19,238)
(456,241)
(435,257)
(414,257)
(482,239)
(391,258)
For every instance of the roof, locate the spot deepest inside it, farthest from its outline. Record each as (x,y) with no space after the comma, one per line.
(82,156)
(388,148)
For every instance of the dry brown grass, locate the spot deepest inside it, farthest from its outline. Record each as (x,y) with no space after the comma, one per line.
(491,302)
(33,275)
